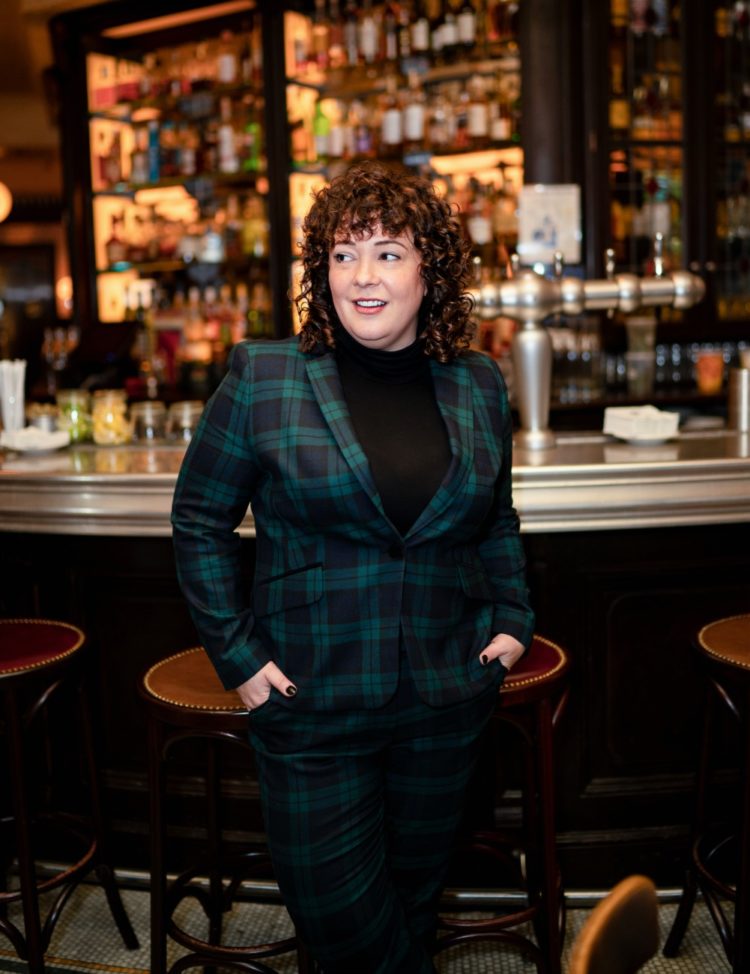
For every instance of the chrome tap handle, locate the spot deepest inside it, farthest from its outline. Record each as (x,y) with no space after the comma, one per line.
(558,265)
(609,264)
(658,254)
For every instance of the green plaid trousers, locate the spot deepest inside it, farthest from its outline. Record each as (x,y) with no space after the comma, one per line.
(361,808)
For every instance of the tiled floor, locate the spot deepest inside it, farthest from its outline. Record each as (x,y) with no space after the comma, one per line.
(86,940)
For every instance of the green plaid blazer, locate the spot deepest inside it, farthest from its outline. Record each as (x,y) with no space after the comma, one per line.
(336,588)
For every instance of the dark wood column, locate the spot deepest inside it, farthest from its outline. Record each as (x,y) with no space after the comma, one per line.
(551,90)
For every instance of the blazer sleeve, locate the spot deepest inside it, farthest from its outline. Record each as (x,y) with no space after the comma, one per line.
(501,548)
(214,488)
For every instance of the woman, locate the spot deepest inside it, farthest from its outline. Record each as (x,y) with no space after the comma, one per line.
(388,599)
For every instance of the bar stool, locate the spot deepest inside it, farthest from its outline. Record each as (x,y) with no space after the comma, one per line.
(184,699)
(531,699)
(720,855)
(38,658)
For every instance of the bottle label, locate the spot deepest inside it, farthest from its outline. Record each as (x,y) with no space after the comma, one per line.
(478,120)
(420,35)
(414,117)
(392,131)
(368,39)
(467,28)
(500,130)
(480,229)
(336,142)
(226,69)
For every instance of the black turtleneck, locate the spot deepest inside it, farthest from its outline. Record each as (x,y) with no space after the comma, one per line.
(392,403)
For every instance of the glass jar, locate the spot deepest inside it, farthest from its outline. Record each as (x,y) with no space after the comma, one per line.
(183,419)
(74,414)
(110,417)
(149,421)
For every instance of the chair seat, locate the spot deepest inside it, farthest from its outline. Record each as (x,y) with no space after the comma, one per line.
(542,666)
(727,641)
(188,680)
(31,644)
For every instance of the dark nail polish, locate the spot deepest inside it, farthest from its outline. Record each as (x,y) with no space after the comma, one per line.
(290,690)
(485,659)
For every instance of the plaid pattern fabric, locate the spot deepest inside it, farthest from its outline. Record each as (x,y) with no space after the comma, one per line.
(335,584)
(361,809)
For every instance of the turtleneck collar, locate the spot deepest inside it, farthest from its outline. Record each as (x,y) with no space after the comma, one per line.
(403,365)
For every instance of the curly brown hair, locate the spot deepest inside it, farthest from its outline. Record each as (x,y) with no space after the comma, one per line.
(365,196)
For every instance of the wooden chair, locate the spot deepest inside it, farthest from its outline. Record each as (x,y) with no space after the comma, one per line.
(531,700)
(622,932)
(184,700)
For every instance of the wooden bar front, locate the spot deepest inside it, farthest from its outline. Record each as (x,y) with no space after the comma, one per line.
(629,550)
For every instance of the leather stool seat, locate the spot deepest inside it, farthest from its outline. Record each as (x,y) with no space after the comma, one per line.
(38,661)
(185,699)
(720,855)
(531,699)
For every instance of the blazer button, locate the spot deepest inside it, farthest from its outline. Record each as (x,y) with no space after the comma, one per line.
(396,551)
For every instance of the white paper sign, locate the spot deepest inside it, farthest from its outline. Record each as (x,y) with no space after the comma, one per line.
(549,220)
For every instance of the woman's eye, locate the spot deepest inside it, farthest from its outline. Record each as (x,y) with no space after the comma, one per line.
(386,256)
(340,258)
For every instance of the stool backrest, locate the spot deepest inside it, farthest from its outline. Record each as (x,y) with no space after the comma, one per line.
(622,932)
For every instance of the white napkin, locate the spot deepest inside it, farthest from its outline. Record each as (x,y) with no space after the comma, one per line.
(640,422)
(33,439)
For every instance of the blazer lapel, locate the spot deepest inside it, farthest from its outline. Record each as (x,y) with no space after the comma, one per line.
(453,391)
(326,386)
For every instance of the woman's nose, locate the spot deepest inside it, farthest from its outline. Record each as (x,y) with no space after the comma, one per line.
(366,272)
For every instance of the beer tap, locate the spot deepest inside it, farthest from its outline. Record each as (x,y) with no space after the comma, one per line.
(529,298)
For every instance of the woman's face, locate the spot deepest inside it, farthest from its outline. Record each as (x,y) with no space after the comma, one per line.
(377,288)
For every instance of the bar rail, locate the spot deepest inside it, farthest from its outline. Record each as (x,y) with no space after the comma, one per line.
(587,482)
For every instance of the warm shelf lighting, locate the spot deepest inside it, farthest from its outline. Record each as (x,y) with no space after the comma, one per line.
(179,19)
(6,202)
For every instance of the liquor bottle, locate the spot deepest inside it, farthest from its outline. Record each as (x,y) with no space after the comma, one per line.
(168,149)
(351,33)
(619,106)
(336,44)
(227,60)
(232,224)
(437,24)
(251,135)
(478,114)
(321,133)
(113,160)
(404,32)
(337,134)
(115,247)
(466,19)
(392,123)
(420,29)
(228,159)
(362,141)
(479,224)
(139,155)
(415,115)
(440,123)
(389,49)
(450,33)
(367,35)
(320,36)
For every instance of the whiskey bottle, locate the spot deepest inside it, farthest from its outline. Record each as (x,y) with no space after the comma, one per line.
(414,115)
(420,29)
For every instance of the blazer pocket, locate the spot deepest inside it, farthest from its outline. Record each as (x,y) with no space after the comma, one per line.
(474,579)
(301,586)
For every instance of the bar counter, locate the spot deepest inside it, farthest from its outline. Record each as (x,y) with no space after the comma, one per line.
(630,549)
(587,482)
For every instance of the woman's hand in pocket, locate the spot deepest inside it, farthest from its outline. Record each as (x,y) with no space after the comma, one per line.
(256,691)
(504,648)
